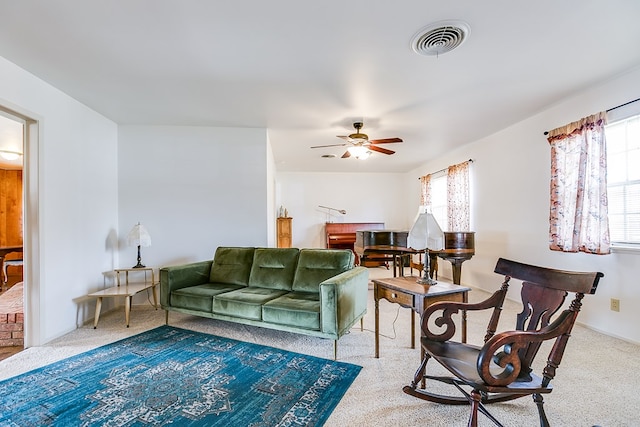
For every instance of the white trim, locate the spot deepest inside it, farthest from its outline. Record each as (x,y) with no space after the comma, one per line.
(619,247)
(31,227)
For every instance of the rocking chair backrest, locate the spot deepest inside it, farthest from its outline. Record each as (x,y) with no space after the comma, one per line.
(569,281)
(543,292)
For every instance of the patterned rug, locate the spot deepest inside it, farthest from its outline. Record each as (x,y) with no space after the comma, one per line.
(179,377)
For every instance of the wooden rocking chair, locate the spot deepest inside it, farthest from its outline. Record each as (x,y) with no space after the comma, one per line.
(501,369)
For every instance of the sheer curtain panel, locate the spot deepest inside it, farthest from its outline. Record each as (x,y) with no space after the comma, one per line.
(458,197)
(578,219)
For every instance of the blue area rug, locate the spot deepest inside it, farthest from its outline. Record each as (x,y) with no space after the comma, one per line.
(178,377)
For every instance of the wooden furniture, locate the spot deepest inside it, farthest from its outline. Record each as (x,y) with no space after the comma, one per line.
(128,290)
(502,368)
(11,207)
(4,251)
(283,232)
(342,235)
(406,292)
(10,263)
(376,247)
(459,246)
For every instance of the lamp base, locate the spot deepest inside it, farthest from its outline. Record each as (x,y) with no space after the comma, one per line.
(139,264)
(426,278)
(428,281)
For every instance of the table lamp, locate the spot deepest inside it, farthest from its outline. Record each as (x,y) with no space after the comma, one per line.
(425,234)
(139,236)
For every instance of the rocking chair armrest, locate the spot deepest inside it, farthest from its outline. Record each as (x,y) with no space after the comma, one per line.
(503,350)
(448,309)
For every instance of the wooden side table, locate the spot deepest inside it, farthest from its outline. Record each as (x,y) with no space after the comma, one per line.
(128,290)
(406,292)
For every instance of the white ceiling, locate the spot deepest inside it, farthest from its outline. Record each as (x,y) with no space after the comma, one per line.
(307,70)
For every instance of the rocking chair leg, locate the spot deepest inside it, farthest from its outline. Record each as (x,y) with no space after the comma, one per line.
(419,376)
(544,422)
(475,403)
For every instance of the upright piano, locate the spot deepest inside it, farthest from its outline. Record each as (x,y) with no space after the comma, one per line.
(342,235)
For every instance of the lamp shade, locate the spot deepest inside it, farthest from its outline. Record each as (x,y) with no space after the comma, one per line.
(425,233)
(139,236)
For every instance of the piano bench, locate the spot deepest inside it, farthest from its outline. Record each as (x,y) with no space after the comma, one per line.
(376,261)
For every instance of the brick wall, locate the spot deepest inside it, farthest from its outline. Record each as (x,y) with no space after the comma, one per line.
(11,329)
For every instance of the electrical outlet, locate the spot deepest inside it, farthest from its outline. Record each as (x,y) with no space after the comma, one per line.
(615,304)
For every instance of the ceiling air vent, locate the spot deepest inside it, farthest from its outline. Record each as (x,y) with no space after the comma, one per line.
(440,37)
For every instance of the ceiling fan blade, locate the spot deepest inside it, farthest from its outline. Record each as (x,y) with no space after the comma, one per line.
(331,145)
(385,140)
(346,155)
(346,138)
(380,149)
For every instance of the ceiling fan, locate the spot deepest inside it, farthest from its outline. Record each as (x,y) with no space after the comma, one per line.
(360,146)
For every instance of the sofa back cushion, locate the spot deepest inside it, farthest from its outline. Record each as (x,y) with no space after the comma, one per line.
(231,266)
(274,268)
(318,265)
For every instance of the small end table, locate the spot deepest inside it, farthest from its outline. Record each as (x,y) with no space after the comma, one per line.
(127,291)
(406,292)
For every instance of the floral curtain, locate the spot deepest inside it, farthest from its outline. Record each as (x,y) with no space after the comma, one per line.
(578,218)
(458,197)
(425,190)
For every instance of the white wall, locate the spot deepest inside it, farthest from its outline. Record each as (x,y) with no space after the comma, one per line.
(510,208)
(194,189)
(77,211)
(366,197)
(271,196)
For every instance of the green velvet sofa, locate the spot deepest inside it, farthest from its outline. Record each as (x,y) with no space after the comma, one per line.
(316,292)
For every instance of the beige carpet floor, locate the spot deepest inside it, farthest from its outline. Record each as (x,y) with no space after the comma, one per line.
(597,383)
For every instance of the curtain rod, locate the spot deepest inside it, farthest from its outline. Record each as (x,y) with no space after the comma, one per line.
(612,108)
(444,169)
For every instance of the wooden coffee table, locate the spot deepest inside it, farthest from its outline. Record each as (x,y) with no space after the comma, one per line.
(406,292)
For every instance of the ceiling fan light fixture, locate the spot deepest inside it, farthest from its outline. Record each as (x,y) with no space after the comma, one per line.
(362,136)
(359,152)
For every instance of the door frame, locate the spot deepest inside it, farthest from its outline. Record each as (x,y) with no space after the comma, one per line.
(31,220)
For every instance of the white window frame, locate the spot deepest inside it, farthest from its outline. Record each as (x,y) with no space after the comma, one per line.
(439,198)
(615,117)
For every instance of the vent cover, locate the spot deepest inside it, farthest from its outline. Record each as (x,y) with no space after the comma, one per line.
(440,37)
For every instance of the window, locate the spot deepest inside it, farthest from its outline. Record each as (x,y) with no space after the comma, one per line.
(446,194)
(623,180)
(439,199)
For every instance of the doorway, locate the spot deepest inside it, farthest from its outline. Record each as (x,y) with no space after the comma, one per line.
(19,231)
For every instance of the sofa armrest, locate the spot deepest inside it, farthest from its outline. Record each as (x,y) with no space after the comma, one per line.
(343,300)
(182,276)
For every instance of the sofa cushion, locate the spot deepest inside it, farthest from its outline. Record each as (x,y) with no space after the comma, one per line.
(299,309)
(244,302)
(273,268)
(231,265)
(318,265)
(200,297)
